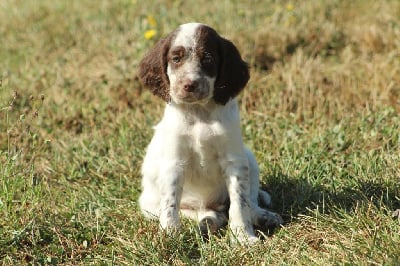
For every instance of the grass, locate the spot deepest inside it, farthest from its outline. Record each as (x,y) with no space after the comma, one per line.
(321,112)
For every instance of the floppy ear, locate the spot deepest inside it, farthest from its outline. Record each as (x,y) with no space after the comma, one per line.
(233,73)
(153,69)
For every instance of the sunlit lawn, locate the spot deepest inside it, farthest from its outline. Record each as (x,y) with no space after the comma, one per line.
(321,113)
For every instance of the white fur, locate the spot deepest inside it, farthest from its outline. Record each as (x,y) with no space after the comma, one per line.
(186,33)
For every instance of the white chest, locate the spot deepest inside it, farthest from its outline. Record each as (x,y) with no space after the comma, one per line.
(207,140)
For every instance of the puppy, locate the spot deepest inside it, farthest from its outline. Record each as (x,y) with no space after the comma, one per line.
(196,163)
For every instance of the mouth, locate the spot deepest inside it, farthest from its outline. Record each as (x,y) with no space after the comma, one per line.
(192,97)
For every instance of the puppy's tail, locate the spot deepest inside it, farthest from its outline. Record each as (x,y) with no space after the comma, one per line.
(264,198)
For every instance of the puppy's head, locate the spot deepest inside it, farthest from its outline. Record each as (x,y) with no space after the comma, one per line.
(193,64)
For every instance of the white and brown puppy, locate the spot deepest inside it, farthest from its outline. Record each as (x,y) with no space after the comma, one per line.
(196,163)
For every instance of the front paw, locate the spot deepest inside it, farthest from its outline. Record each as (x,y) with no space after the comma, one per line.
(243,233)
(240,236)
(169,221)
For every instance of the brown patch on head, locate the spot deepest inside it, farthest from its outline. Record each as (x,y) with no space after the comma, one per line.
(231,71)
(175,56)
(207,50)
(153,68)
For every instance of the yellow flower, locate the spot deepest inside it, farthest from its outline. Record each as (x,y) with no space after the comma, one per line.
(149,34)
(289,7)
(152,21)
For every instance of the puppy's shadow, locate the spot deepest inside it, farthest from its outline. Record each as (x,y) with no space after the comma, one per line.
(292,196)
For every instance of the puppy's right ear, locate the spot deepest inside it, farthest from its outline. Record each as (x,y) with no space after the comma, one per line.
(153,69)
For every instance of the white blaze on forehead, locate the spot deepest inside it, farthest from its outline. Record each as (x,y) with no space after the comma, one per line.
(185,36)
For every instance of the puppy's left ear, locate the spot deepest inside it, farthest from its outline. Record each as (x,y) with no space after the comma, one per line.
(153,69)
(233,73)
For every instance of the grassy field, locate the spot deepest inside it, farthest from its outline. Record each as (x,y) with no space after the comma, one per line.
(321,112)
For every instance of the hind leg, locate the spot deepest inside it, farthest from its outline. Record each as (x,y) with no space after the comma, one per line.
(261,218)
(210,221)
(265,219)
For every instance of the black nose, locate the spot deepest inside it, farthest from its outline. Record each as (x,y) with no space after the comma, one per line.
(190,85)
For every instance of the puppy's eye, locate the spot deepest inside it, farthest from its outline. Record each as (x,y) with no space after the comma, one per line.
(176,59)
(207,60)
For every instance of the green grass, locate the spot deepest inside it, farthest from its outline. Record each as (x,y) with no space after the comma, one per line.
(321,112)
